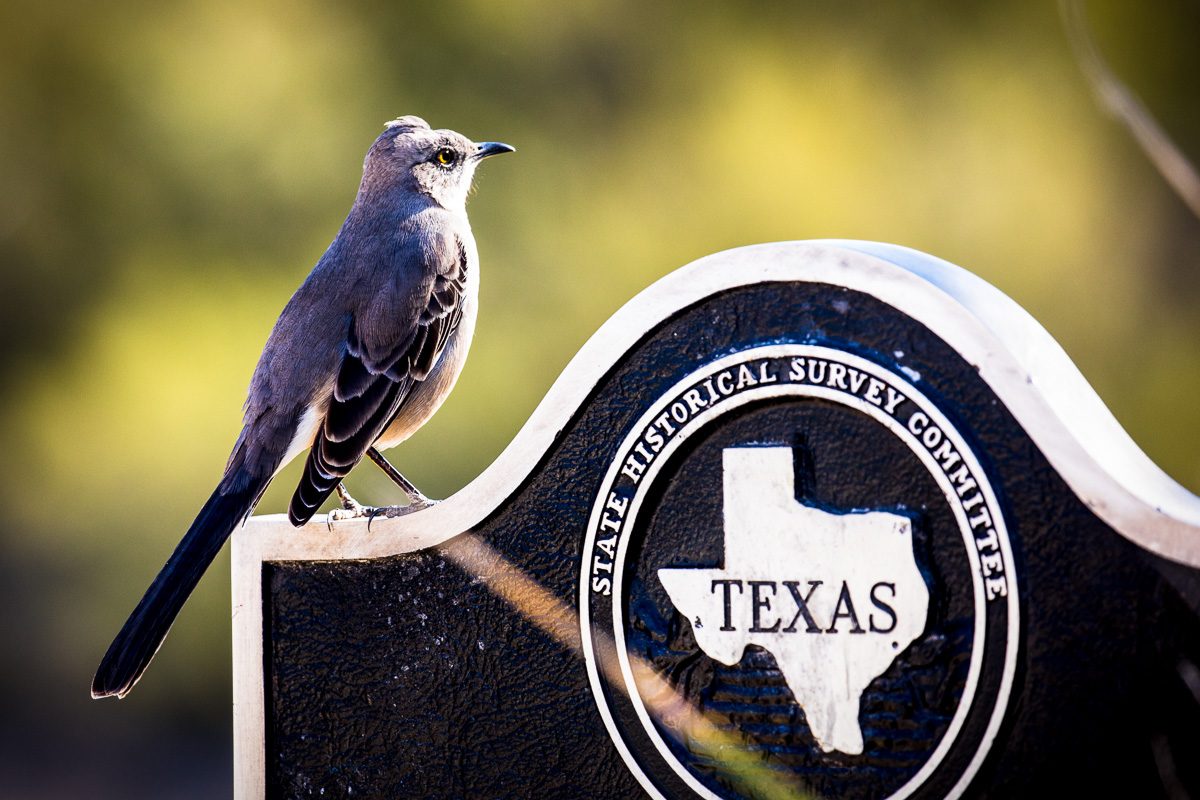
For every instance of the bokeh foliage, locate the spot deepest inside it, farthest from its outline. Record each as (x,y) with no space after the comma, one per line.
(171,171)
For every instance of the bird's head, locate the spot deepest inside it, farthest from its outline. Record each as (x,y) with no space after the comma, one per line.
(437,163)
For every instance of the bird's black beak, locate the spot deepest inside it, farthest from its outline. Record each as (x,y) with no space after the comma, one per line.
(485,149)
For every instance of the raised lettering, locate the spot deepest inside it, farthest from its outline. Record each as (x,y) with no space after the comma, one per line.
(983,518)
(609,522)
(988,541)
(972,501)
(745,377)
(609,546)
(874,392)
(962,478)
(664,421)
(760,603)
(837,376)
(844,602)
(796,372)
(932,436)
(632,468)
(725,583)
(882,606)
(694,400)
(991,563)
(802,606)
(947,456)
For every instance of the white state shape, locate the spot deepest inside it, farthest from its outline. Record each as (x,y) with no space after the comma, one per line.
(855,574)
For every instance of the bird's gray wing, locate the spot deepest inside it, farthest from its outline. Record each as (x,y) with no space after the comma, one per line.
(376,376)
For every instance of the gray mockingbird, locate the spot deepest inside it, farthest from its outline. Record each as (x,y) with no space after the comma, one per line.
(362,356)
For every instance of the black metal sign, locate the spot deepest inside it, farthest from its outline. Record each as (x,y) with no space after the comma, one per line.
(809,519)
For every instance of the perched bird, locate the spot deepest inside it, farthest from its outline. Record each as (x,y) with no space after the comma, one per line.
(362,356)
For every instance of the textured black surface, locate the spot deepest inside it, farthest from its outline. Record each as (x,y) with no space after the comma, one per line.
(853,463)
(404,677)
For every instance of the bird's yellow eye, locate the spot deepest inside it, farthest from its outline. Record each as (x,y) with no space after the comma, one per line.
(446,157)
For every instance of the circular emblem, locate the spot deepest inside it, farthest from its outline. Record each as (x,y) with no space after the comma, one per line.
(797,579)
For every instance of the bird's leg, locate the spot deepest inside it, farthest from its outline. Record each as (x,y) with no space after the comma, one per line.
(351,508)
(348,502)
(416,499)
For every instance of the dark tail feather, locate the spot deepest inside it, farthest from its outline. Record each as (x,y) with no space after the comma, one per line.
(144,631)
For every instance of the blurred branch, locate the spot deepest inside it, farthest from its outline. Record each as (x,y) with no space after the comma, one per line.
(1117,99)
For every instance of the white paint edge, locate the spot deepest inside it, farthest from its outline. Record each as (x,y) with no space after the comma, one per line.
(1016,357)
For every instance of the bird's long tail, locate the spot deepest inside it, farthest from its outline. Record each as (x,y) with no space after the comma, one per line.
(144,631)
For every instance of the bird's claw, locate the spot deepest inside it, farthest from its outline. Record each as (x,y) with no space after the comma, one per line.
(390,512)
(371,512)
(355,512)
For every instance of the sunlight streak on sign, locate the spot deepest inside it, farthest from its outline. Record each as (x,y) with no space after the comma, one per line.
(702,732)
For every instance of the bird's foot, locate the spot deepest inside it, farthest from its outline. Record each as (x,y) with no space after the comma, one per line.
(390,512)
(351,509)
(348,502)
(371,513)
(358,512)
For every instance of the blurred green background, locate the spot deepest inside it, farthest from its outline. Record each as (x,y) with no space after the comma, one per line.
(170,172)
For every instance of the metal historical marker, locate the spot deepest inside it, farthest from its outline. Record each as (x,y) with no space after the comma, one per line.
(825,519)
